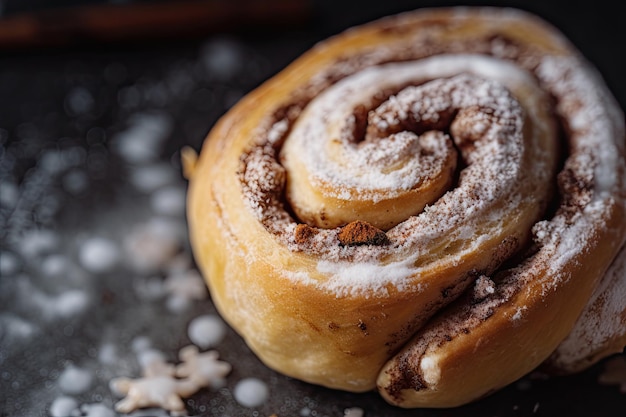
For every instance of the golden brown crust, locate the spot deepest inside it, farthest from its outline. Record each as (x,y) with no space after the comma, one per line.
(359,303)
(600,331)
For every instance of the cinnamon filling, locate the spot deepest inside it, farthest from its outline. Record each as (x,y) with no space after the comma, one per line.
(277,212)
(361,233)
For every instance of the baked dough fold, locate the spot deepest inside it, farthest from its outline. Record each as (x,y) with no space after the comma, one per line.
(423,205)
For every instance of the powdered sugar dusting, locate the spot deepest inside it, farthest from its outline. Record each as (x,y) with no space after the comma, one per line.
(348,277)
(595,121)
(592,122)
(322,122)
(487,131)
(594,172)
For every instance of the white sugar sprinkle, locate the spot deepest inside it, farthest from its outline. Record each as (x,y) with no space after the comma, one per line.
(142,140)
(140,343)
(169,201)
(14,327)
(251,392)
(75,380)
(108,354)
(70,302)
(96,410)
(63,406)
(55,265)
(65,304)
(98,254)
(150,177)
(206,331)
(9,193)
(150,245)
(177,304)
(353,412)
(9,264)
(37,242)
(147,356)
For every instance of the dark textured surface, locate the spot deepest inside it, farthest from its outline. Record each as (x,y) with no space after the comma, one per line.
(81,96)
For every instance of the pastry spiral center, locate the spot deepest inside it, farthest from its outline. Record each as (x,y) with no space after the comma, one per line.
(368,149)
(349,158)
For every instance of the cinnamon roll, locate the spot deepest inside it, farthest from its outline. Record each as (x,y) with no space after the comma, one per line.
(426,205)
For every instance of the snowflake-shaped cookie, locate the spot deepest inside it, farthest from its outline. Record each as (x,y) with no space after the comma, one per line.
(205,369)
(164,385)
(158,386)
(155,391)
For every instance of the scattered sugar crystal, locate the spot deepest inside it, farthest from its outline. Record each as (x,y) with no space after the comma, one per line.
(15,327)
(69,303)
(96,410)
(519,313)
(353,412)
(107,354)
(251,392)
(37,242)
(177,304)
(206,331)
(54,265)
(147,356)
(9,264)
(169,201)
(51,306)
(98,254)
(9,194)
(142,141)
(63,406)
(151,245)
(148,178)
(140,343)
(75,380)
(483,287)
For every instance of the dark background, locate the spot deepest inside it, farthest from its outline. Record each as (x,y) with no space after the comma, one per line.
(51,49)
(595,27)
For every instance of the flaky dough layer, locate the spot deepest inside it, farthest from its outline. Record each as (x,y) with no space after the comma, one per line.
(424,205)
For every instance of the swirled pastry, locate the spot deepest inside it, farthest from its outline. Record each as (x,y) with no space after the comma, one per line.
(425,205)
